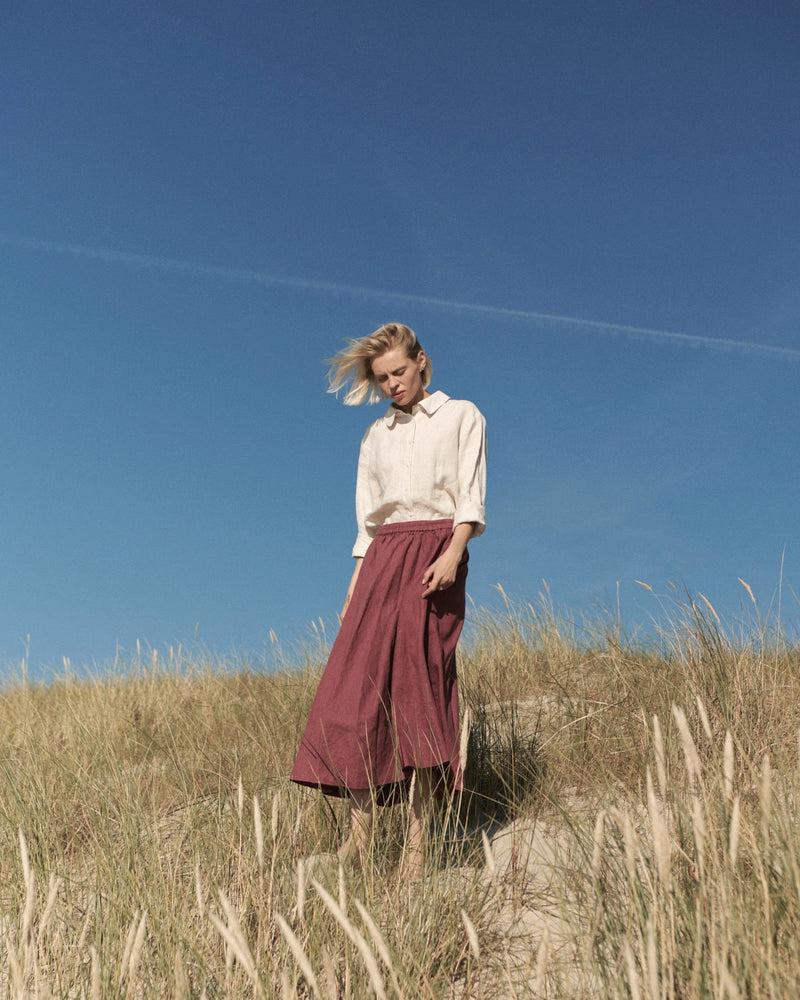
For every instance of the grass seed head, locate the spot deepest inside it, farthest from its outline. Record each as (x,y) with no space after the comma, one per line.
(542,956)
(765,797)
(136,950)
(258,830)
(633,972)
(300,956)
(199,895)
(597,849)
(733,835)
(728,764)
(96,981)
(276,803)
(690,754)
(661,766)
(661,844)
(301,889)
(472,935)
(701,709)
(491,862)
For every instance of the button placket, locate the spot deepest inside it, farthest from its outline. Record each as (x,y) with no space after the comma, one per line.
(409,459)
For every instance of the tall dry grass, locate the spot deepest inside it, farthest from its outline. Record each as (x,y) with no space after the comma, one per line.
(630,828)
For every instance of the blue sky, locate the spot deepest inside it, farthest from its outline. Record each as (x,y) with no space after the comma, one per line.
(589,212)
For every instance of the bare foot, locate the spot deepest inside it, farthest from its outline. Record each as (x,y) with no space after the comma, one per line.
(412,864)
(351,852)
(355,847)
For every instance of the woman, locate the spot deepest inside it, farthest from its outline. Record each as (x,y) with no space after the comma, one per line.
(386,709)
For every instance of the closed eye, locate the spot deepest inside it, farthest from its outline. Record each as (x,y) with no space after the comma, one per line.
(397,374)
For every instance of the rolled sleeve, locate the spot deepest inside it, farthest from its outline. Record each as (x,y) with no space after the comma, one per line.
(471,498)
(364,500)
(363,542)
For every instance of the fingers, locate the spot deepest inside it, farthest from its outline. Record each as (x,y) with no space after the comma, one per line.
(437,578)
(437,583)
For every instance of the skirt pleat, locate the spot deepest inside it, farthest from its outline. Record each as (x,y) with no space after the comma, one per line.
(387,702)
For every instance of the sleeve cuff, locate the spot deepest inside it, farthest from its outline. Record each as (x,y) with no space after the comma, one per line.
(363,542)
(471,515)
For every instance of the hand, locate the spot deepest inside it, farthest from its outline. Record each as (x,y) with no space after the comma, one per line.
(441,574)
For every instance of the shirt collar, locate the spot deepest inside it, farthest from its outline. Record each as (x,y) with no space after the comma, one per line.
(428,404)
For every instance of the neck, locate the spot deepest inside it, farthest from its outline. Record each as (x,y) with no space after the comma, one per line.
(410,407)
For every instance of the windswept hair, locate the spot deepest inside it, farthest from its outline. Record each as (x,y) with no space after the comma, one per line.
(353,364)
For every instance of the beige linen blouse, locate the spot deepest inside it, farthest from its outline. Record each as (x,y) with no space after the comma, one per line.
(426,465)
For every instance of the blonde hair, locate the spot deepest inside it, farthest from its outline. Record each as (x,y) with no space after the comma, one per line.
(353,363)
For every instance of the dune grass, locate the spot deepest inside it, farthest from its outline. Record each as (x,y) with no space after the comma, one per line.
(150,844)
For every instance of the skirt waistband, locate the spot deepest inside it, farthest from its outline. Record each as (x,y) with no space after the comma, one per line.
(440,524)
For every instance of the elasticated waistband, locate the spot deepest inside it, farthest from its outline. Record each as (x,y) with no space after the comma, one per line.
(440,524)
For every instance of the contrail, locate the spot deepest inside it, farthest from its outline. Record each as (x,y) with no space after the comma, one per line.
(307,284)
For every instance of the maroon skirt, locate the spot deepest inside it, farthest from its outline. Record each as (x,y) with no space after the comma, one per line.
(387,702)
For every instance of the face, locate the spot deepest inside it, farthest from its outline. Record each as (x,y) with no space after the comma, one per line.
(399,378)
